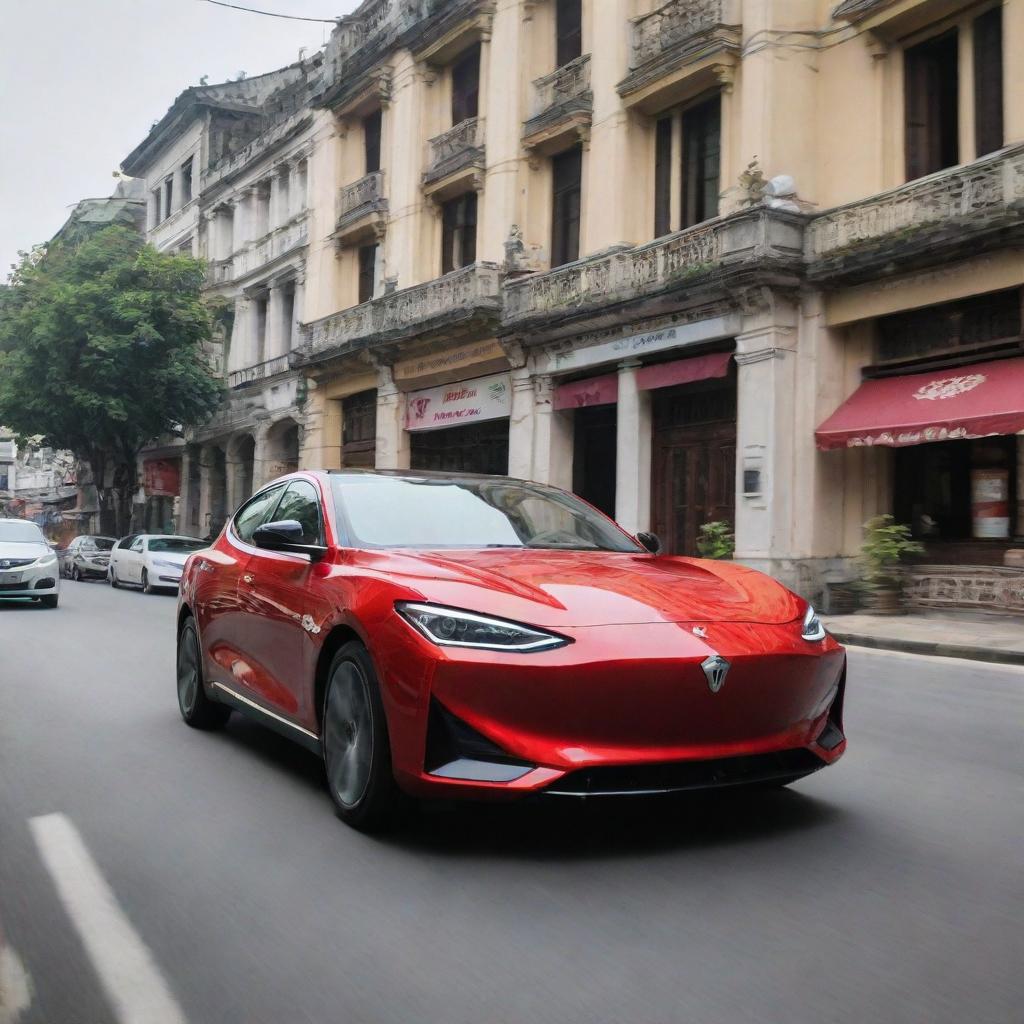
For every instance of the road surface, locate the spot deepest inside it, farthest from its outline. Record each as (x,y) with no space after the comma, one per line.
(152,873)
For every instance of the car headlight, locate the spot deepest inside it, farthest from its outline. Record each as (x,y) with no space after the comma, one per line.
(812,627)
(451,627)
(166,565)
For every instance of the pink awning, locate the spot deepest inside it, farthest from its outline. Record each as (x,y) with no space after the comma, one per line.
(593,391)
(683,371)
(942,405)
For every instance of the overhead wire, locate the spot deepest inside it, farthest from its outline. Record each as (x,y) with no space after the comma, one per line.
(270,14)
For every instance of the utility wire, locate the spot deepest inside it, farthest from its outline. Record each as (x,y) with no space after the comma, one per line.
(271,14)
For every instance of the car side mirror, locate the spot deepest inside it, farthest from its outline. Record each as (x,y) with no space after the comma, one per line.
(286,535)
(650,542)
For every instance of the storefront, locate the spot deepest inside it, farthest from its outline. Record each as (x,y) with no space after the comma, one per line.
(593,405)
(457,403)
(162,485)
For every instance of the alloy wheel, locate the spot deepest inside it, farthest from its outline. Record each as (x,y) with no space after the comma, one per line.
(348,722)
(188,672)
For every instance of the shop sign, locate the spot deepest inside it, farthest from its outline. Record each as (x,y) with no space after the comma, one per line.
(437,367)
(162,477)
(637,345)
(579,394)
(452,405)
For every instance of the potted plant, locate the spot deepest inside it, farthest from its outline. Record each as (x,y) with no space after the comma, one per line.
(886,544)
(716,540)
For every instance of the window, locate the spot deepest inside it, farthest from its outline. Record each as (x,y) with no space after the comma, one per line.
(4,470)
(988,82)
(256,511)
(458,233)
(567,171)
(466,86)
(136,545)
(568,31)
(168,196)
(932,117)
(126,542)
(300,502)
(702,130)
(186,181)
(367,272)
(261,329)
(155,197)
(663,177)
(371,141)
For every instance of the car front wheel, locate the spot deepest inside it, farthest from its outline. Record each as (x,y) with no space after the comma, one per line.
(357,754)
(146,588)
(196,708)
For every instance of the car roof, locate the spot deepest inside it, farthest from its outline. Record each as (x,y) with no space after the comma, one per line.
(165,536)
(424,474)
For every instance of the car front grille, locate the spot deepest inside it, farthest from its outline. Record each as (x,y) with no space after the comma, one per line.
(15,563)
(674,776)
(8,587)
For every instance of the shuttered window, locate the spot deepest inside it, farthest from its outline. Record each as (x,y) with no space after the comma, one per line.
(932,120)
(702,155)
(371,141)
(367,272)
(568,31)
(663,177)
(988,81)
(458,232)
(466,86)
(567,171)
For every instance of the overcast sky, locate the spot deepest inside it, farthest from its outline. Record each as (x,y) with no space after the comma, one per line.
(83,80)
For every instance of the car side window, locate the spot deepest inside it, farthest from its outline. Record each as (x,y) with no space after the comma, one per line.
(136,544)
(255,511)
(126,542)
(301,503)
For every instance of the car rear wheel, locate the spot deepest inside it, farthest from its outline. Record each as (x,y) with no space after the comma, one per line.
(75,574)
(114,582)
(196,708)
(146,588)
(357,753)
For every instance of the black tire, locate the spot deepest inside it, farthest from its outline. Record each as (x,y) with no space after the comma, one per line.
(75,574)
(196,708)
(113,578)
(146,588)
(49,601)
(357,751)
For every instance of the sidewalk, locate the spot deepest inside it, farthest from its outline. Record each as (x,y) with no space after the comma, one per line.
(997,638)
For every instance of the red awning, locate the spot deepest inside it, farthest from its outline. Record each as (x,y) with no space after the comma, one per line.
(592,391)
(941,405)
(683,371)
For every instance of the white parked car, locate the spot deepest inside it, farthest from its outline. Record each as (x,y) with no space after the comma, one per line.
(151,560)
(28,565)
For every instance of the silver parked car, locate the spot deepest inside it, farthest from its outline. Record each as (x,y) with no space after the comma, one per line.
(86,556)
(28,565)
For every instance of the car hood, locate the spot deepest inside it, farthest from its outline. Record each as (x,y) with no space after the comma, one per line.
(175,557)
(585,588)
(19,552)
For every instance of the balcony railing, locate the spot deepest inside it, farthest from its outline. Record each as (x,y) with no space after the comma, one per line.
(569,86)
(272,246)
(616,273)
(672,26)
(987,188)
(370,28)
(461,292)
(220,271)
(455,149)
(261,371)
(360,198)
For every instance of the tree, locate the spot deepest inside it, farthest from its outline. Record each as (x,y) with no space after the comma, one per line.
(101,352)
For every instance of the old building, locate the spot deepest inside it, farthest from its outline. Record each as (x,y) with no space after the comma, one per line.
(226,176)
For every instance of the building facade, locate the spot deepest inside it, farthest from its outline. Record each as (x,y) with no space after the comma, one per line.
(226,179)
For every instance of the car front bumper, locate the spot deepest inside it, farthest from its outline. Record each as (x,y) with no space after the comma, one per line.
(30,581)
(623,709)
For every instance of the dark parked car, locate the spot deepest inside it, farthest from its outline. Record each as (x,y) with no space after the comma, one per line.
(86,556)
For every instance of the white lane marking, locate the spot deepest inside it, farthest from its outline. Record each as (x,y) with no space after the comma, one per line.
(15,986)
(124,964)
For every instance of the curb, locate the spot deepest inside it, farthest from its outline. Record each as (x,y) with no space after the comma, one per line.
(931,648)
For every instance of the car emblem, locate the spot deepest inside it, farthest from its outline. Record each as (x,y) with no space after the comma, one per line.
(700,631)
(716,668)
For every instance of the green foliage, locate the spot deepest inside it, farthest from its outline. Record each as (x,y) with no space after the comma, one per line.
(101,349)
(886,543)
(716,540)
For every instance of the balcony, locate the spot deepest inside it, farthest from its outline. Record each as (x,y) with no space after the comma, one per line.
(456,158)
(220,271)
(271,247)
(261,371)
(709,261)
(447,305)
(562,108)
(361,209)
(678,51)
(957,212)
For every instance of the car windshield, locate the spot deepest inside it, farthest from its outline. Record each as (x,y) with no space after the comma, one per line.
(439,512)
(17,532)
(102,543)
(180,545)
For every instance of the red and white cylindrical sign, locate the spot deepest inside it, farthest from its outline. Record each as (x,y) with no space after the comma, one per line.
(990,503)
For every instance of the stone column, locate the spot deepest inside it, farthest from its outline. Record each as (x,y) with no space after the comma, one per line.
(204,490)
(239,343)
(392,437)
(184,492)
(276,215)
(176,190)
(633,452)
(767,433)
(262,467)
(552,437)
(520,427)
(257,341)
(276,339)
(298,312)
(238,223)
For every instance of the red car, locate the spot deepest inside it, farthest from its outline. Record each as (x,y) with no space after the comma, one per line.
(456,635)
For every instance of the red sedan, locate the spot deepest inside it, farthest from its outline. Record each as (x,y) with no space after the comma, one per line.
(450,635)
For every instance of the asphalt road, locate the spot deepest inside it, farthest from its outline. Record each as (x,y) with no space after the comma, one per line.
(888,888)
